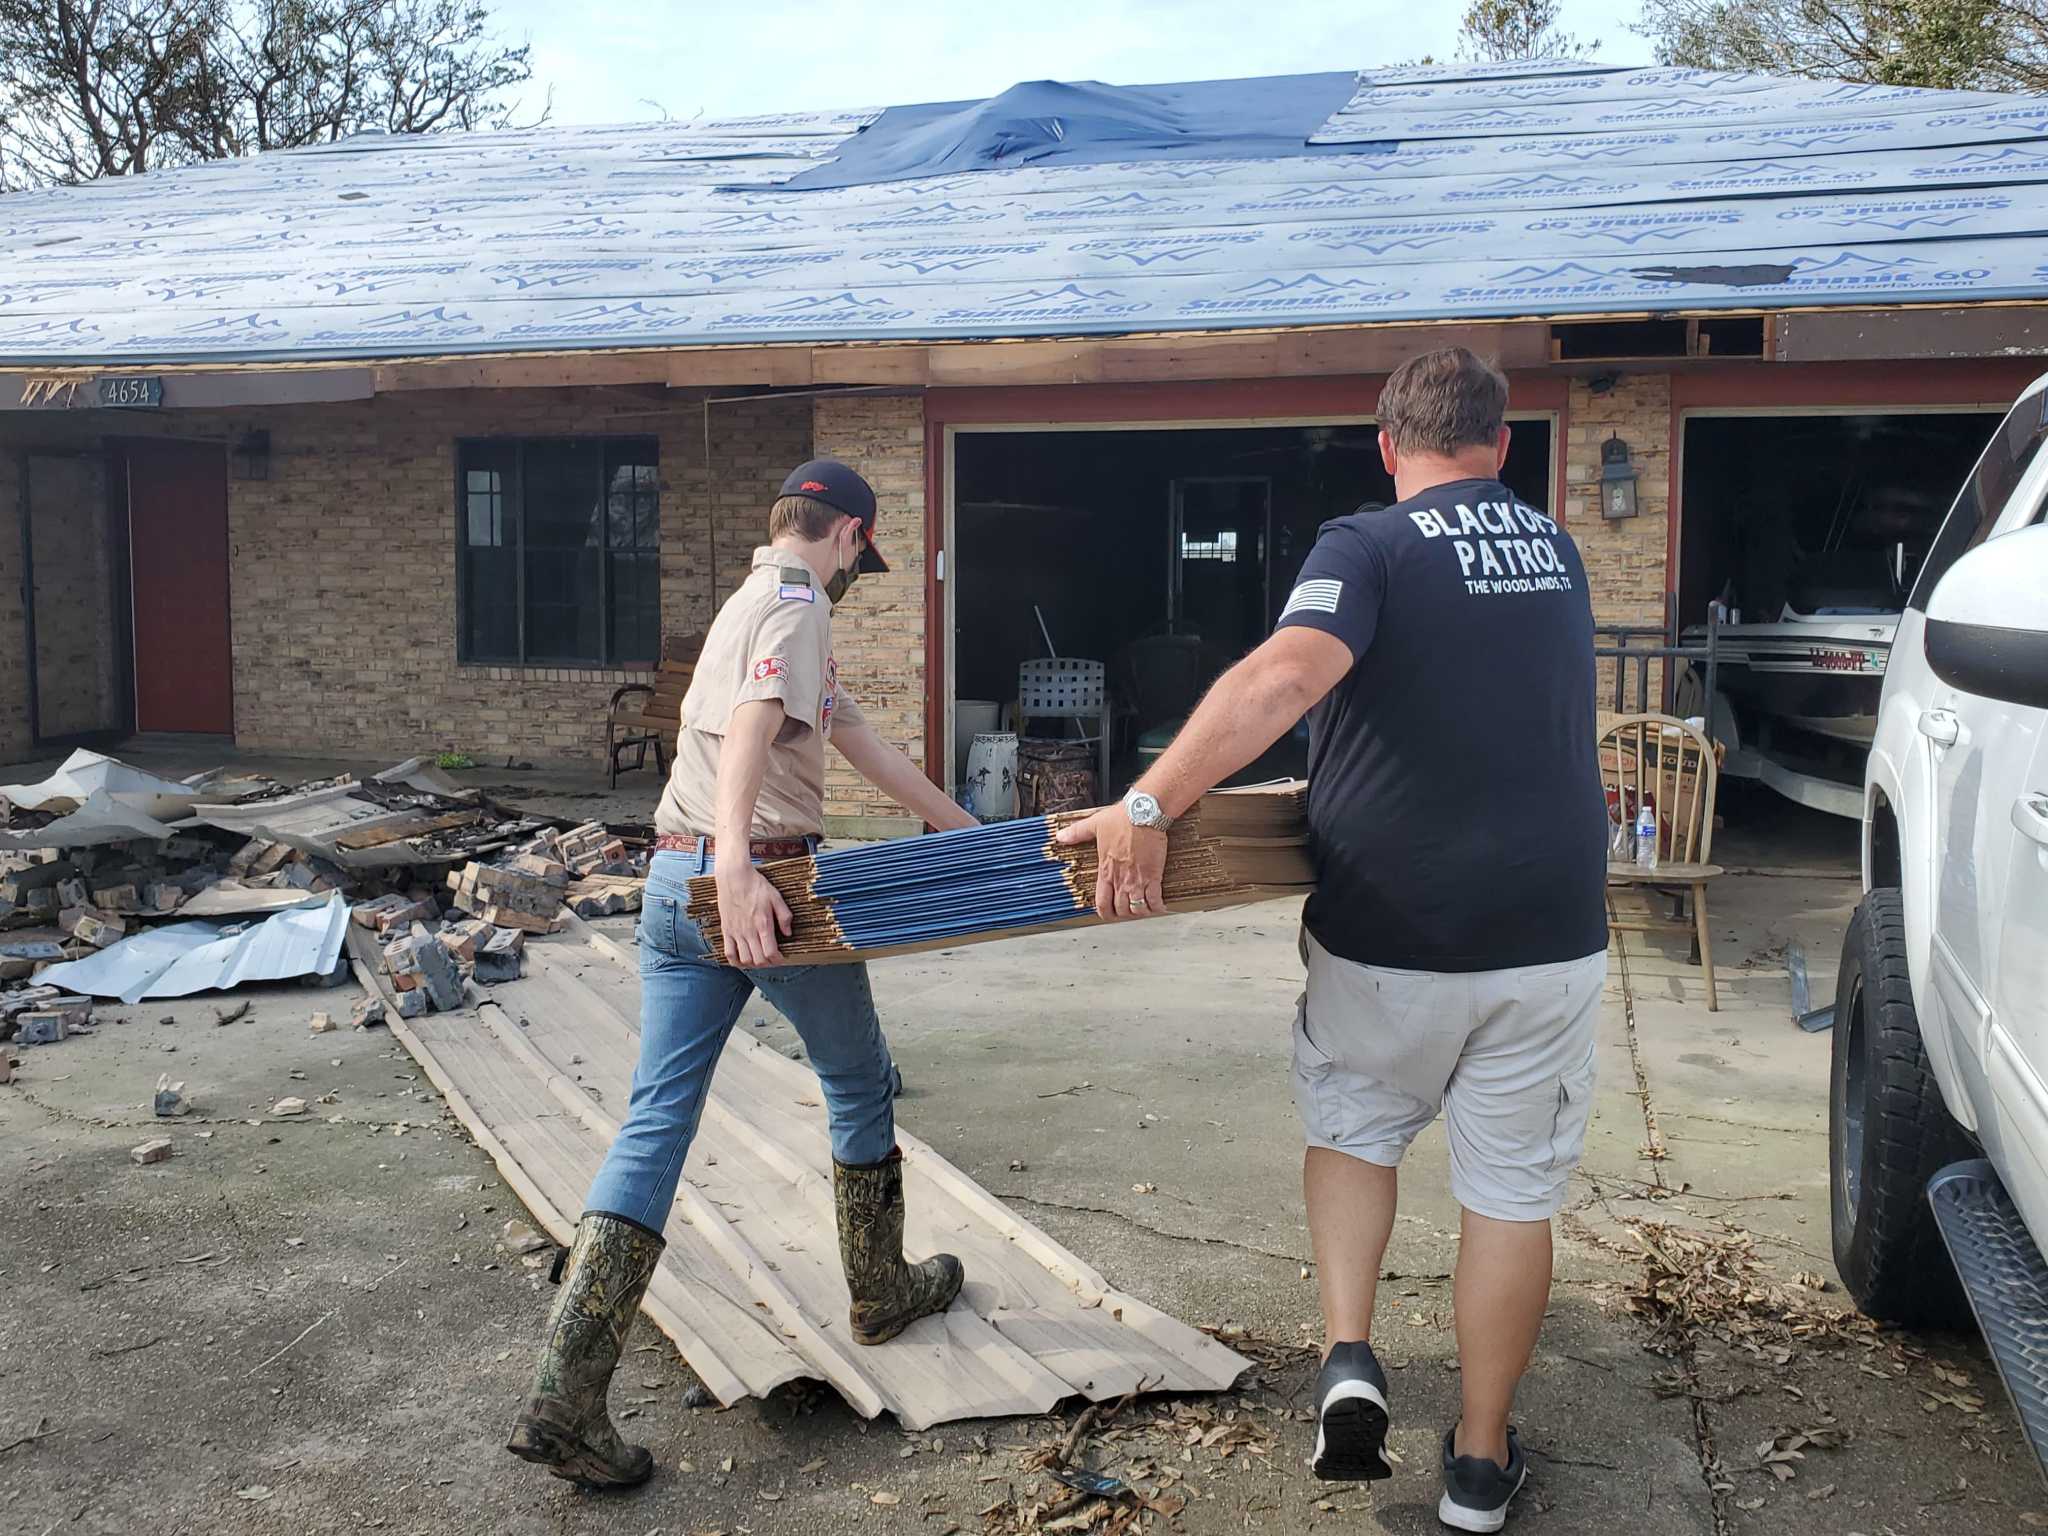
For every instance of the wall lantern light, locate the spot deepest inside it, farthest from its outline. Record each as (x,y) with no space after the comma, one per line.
(1617,480)
(251,455)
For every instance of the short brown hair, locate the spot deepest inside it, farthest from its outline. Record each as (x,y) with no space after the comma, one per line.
(1443,401)
(802,516)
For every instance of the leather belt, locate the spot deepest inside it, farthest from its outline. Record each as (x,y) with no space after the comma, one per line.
(760,848)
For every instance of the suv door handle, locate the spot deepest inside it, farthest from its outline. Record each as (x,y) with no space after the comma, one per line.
(1940,726)
(2030,816)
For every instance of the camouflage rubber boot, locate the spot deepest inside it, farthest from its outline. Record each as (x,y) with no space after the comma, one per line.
(889,1293)
(564,1426)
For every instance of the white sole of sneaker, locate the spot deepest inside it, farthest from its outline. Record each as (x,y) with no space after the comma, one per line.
(1351,1434)
(1460,1518)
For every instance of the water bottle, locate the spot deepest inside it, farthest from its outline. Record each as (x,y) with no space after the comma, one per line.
(1646,836)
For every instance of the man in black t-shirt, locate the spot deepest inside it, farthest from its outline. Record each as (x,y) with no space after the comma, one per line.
(1456,942)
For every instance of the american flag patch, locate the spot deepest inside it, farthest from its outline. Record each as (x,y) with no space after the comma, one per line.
(1317,596)
(794,594)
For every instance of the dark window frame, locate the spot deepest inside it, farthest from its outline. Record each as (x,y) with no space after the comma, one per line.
(511,516)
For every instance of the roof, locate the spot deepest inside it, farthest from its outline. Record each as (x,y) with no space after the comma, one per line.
(1537,189)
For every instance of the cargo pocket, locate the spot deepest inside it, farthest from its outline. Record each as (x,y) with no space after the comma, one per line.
(1574,1110)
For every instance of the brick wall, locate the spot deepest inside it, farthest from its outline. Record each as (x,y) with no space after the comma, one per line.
(1625,560)
(72,566)
(14,735)
(344,566)
(878,633)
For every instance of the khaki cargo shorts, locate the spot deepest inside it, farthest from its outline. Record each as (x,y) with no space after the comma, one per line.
(1507,1055)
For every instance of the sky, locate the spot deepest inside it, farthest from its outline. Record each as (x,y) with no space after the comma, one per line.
(616,61)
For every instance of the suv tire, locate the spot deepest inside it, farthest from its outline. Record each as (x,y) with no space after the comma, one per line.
(1888,1133)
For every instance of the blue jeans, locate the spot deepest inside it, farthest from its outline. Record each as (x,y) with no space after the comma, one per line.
(688,1004)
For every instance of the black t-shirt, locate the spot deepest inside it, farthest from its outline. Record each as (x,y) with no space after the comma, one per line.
(1454,793)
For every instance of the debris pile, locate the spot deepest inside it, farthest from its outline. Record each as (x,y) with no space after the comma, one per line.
(119,883)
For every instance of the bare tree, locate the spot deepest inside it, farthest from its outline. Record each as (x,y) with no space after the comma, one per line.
(1517,29)
(1999,45)
(112,87)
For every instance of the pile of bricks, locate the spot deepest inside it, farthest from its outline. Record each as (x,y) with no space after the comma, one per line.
(524,893)
(43,1016)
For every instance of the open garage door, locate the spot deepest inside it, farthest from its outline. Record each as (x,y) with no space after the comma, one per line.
(1163,553)
(1806,528)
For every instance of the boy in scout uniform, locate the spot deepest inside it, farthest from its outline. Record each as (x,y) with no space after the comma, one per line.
(748,784)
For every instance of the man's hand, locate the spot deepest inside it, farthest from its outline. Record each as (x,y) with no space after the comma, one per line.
(750,910)
(1130,863)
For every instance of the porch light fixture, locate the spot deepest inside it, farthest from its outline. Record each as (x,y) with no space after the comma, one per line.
(251,455)
(1617,480)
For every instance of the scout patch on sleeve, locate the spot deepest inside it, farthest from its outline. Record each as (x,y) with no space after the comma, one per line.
(770,666)
(791,594)
(831,694)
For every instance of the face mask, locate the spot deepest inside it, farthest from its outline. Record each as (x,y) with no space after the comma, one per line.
(842,580)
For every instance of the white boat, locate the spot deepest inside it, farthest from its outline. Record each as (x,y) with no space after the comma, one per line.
(1821,673)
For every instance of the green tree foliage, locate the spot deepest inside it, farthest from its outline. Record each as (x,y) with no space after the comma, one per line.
(1999,45)
(113,87)
(1517,29)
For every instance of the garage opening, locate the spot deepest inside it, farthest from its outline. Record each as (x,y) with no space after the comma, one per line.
(1164,554)
(1807,530)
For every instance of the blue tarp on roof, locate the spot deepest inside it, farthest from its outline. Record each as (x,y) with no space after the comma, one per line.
(1537,189)
(1043,122)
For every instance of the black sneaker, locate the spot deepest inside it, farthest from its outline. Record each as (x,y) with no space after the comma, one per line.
(1351,1417)
(1477,1491)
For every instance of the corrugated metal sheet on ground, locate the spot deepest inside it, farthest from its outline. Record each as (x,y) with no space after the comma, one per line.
(1471,191)
(178,959)
(750,1287)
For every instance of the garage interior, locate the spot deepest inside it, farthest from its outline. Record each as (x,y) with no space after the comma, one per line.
(1819,515)
(1164,553)
(1816,509)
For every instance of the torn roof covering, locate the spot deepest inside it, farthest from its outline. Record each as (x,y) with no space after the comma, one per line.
(1545,188)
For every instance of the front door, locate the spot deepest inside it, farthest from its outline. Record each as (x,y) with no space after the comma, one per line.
(178,543)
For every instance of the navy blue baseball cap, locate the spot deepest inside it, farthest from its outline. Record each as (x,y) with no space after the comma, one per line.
(841,488)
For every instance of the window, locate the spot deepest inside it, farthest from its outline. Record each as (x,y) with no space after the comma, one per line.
(560,550)
(1984,495)
(1221,547)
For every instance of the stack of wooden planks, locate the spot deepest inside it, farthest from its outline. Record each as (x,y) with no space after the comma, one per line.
(1010,878)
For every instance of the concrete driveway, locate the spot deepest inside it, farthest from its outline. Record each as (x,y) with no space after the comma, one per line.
(308,1326)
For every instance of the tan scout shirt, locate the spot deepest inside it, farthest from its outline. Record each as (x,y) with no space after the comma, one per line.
(771,640)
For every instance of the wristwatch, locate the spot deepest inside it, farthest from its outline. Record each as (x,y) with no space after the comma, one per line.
(1144,811)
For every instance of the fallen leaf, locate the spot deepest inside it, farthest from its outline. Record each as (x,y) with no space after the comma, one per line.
(1144,1189)
(886,1500)
(811,1466)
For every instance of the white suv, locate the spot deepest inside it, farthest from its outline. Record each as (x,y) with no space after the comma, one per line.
(1938,1122)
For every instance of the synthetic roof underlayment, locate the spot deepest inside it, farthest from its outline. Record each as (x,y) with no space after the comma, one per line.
(1542,188)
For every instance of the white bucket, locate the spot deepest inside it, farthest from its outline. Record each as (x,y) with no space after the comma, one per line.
(971,718)
(989,787)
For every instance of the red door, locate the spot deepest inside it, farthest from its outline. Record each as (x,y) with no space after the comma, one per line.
(178,544)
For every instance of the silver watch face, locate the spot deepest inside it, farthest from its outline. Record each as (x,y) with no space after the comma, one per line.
(1143,810)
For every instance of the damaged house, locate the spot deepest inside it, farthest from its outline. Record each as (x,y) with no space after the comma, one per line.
(396,443)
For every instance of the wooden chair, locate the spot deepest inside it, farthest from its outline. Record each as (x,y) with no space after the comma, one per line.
(1674,766)
(641,715)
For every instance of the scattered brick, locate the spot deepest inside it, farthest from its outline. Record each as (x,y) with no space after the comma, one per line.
(155,1151)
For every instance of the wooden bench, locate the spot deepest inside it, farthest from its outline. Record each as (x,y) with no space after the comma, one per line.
(1674,767)
(648,714)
